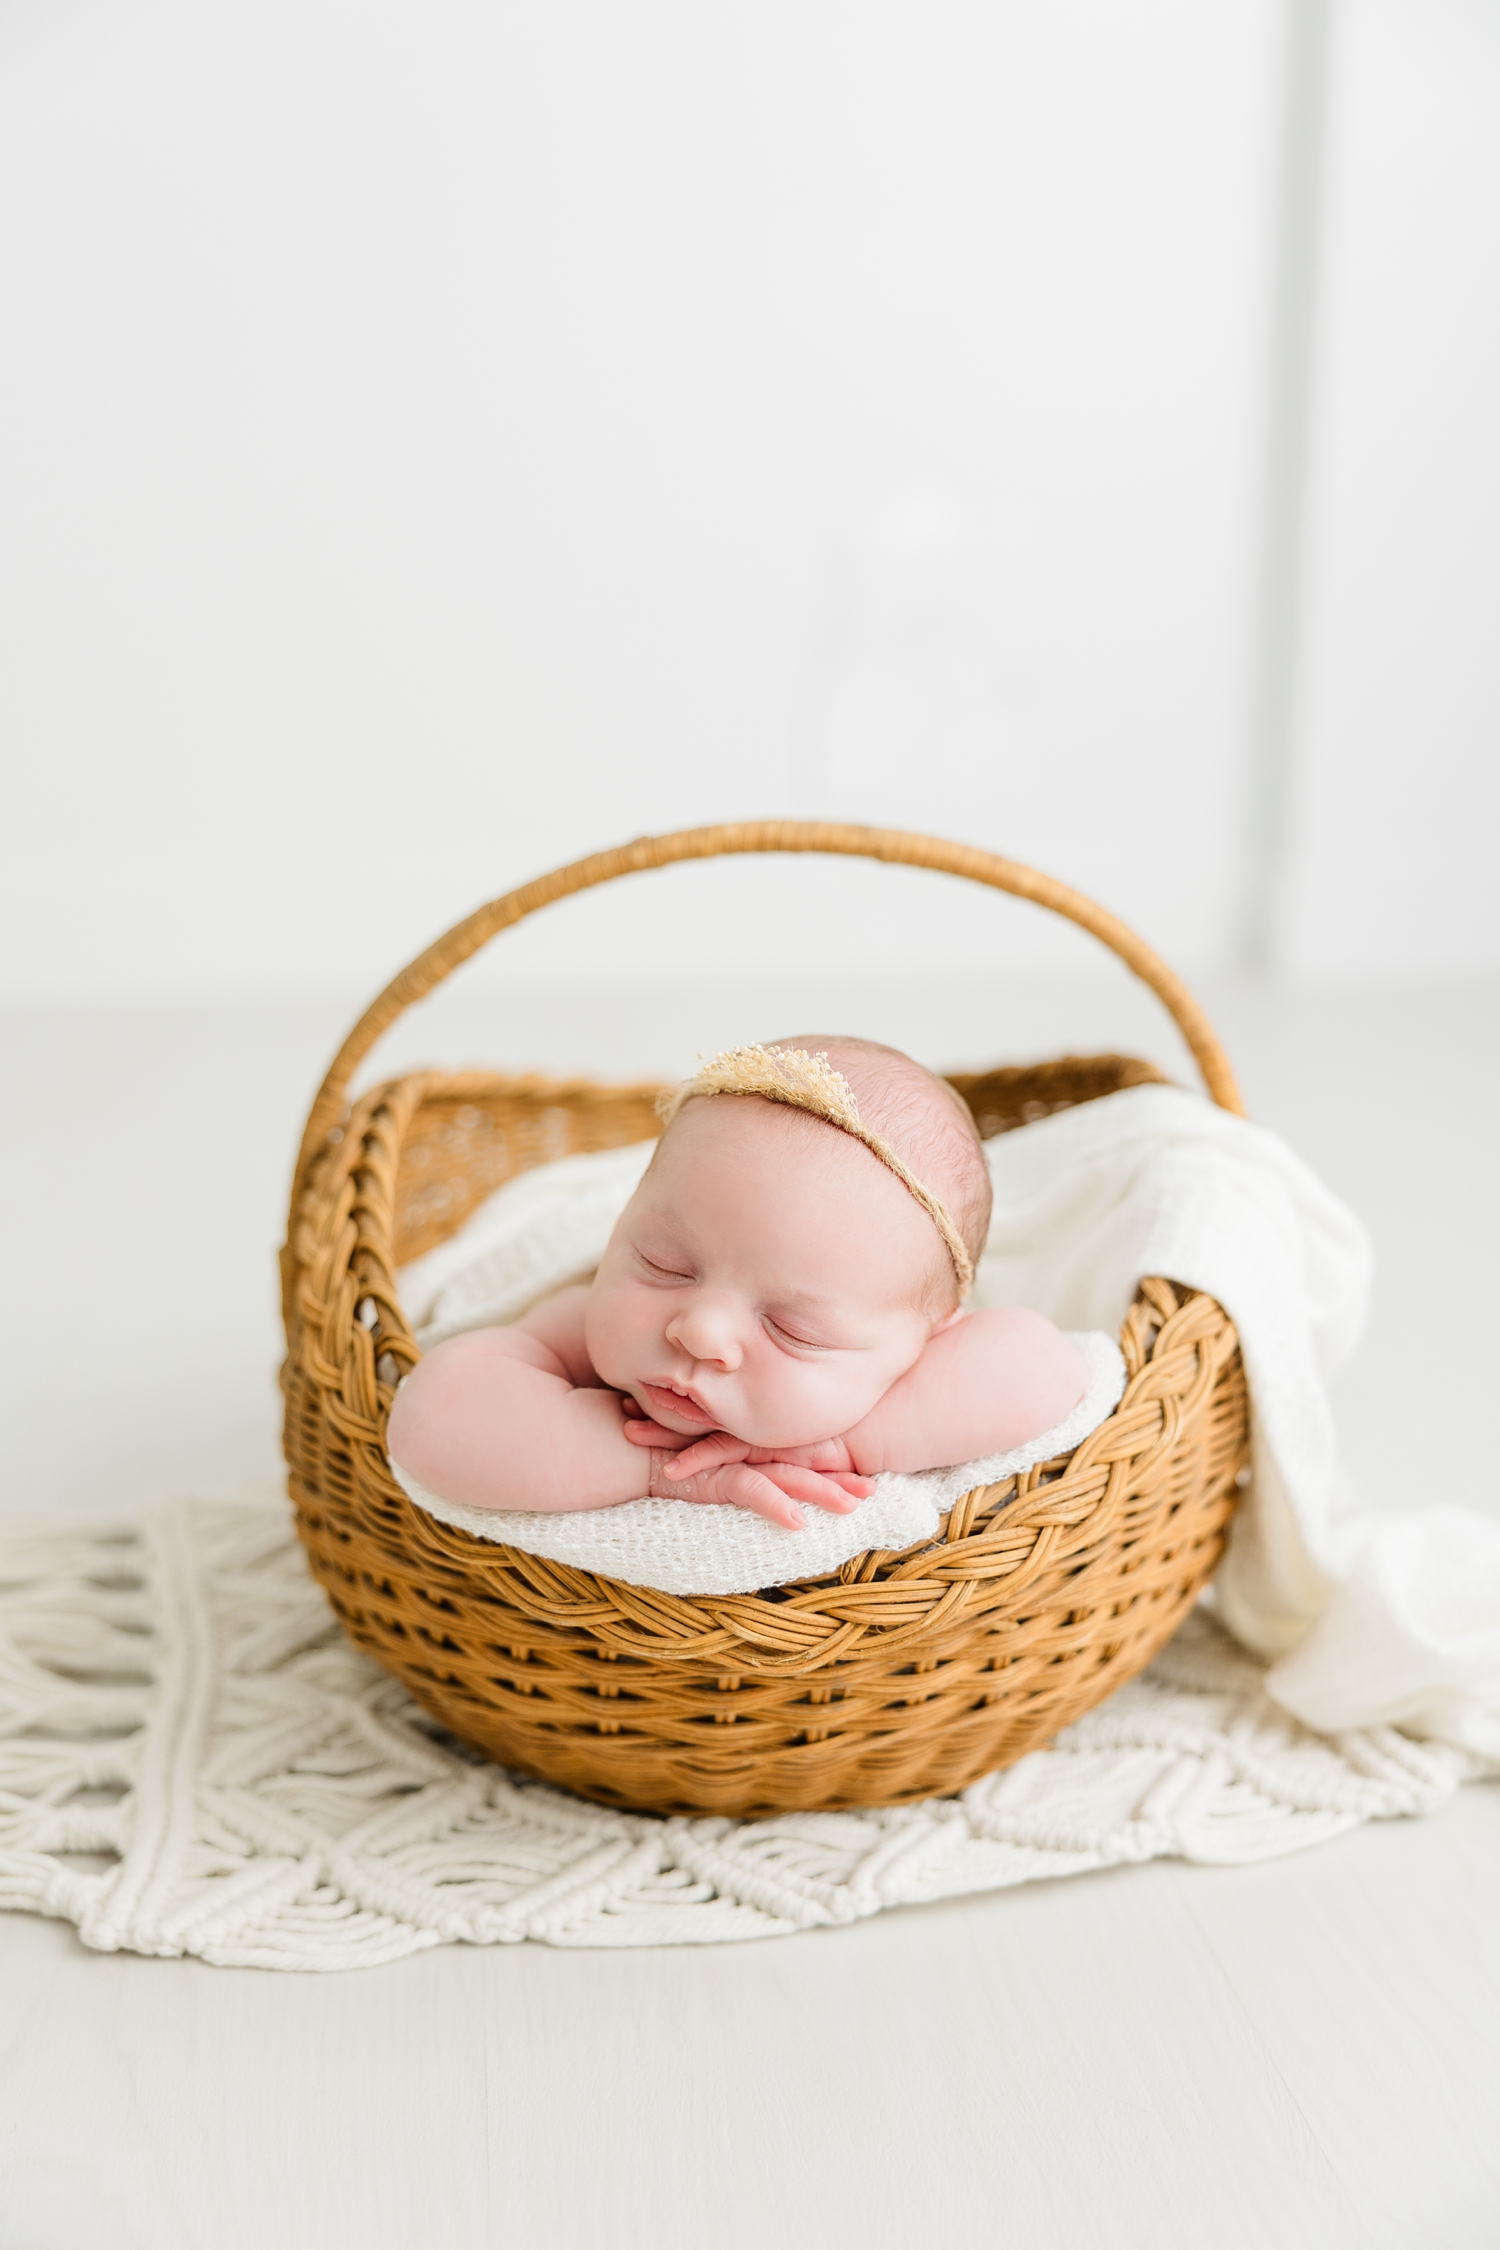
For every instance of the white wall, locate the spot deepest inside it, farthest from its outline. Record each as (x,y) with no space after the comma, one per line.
(1397,769)
(445,440)
(439,441)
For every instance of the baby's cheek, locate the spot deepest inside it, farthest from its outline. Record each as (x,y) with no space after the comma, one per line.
(857,1388)
(614,1326)
(803,1403)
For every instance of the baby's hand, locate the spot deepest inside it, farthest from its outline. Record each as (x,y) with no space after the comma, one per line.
(830,1456)
(721,1470)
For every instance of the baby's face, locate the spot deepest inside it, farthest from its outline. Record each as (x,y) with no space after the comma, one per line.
(767,1278)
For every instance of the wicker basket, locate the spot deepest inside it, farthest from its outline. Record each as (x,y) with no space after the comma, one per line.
(899,1676)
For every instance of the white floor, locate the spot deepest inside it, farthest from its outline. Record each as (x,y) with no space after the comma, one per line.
(1305,2053)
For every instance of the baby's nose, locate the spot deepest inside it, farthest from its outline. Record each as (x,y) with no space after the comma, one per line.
(707,1332)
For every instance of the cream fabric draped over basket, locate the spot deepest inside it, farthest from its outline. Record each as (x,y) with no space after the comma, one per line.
(900,1677)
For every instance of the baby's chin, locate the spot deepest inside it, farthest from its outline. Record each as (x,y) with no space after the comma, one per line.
(751,1425)
(786,1433)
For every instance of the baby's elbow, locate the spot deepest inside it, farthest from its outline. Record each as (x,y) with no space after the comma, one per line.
(1041,1365)
(409,1427)
(428,1413)
(1059,1371)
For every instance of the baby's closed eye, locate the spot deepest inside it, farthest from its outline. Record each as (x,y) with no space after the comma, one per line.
(785,1333)
(664,1268)
(812,1326)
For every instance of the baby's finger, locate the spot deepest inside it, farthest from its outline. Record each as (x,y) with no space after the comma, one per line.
(817,1490)
(749,1489)
(707,1453)
(653,1435)
(828,1457)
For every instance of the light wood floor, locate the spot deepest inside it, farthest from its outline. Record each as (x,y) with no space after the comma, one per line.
(1302,2053)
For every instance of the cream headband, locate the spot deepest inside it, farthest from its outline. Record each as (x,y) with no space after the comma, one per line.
(810,1082)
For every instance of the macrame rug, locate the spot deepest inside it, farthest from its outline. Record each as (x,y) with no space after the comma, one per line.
(194,1761)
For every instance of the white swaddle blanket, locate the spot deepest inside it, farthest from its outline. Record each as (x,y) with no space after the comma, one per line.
(1374,1620)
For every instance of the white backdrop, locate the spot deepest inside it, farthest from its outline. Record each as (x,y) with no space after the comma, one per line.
(1397,792)
(438,441)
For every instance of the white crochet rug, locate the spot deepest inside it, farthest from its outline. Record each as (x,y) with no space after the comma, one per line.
(194,1761)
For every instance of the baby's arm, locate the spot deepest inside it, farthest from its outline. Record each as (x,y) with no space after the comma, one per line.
(516,1418)
(985,1383)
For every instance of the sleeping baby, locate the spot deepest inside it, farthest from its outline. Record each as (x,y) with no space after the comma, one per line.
(778,1316)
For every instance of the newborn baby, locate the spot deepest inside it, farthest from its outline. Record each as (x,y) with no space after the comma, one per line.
(777,1318)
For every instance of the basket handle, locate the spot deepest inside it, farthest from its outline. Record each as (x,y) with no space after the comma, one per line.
(449,952)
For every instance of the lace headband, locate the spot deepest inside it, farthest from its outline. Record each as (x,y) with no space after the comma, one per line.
(810,1082)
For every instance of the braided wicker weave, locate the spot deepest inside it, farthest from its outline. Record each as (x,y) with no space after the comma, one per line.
(898,1677)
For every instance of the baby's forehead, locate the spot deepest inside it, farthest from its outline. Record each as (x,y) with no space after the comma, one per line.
(750,1150)
(698,1132)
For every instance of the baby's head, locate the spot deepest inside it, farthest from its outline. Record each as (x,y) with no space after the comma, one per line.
(772,1276)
